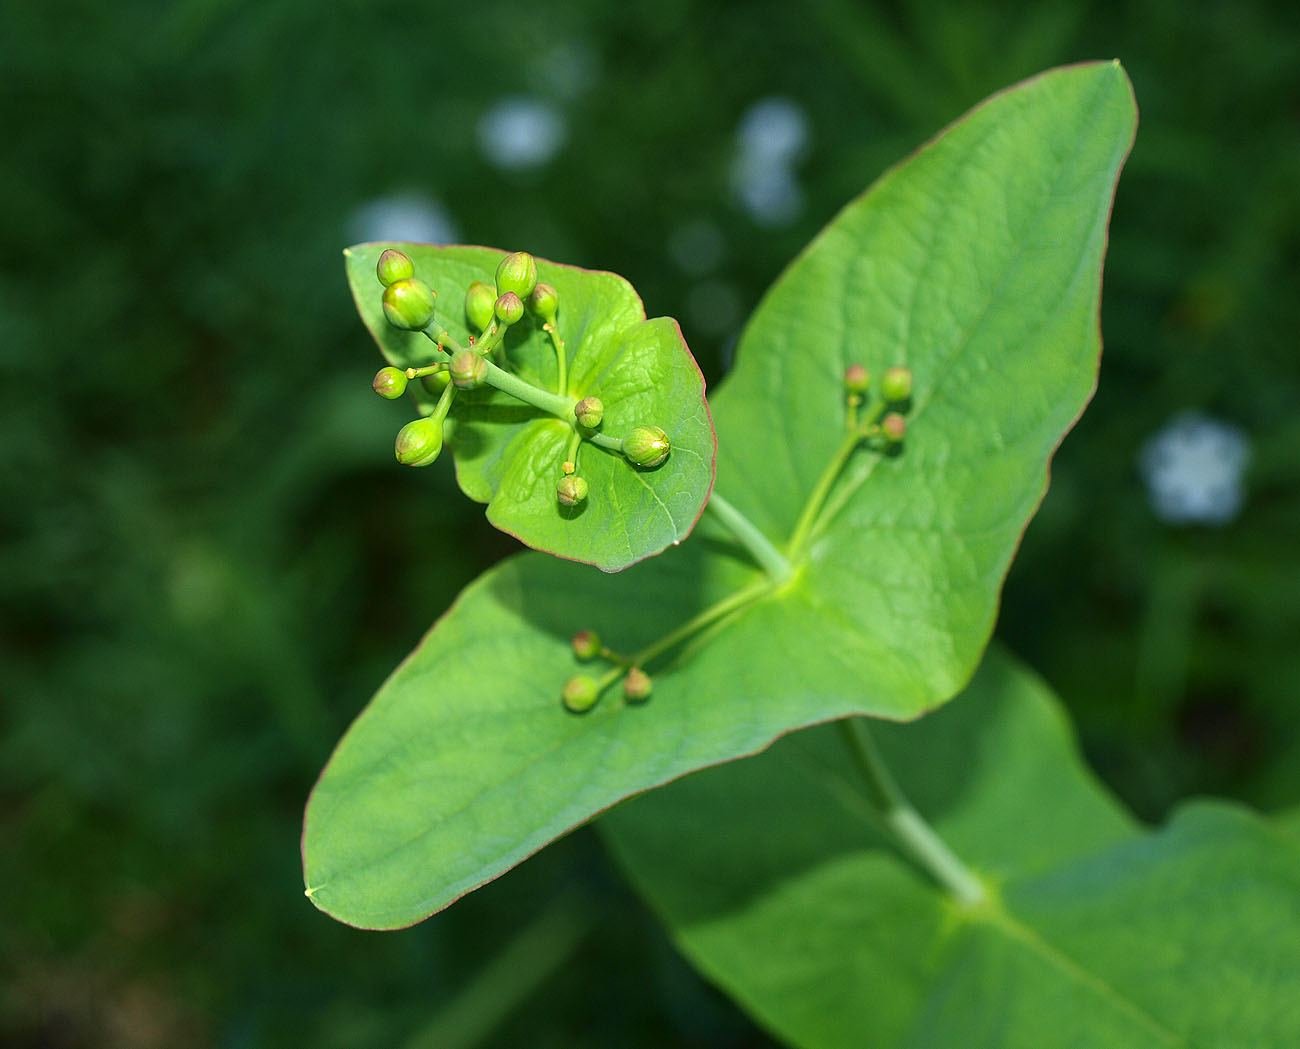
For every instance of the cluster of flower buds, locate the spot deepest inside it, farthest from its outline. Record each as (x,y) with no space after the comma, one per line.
(490,309)
(582,691)
(886,421)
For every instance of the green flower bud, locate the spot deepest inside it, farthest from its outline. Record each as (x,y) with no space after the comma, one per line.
(589,411)
(637,685)
(893,426)
(510,308)
(467,369)
(896,385)
(544,302)
(646,446)
(390,383)
(437,382)
(517,273)
(571,490)
(480,304)
(408,304)
(394,265)
(586,644)
(419,442)
(856,378)
(580,693)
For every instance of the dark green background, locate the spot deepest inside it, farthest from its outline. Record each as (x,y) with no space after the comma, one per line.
(208,559)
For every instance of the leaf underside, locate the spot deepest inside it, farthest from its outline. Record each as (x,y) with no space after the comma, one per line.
(508,453)
(977,264)
(775,880)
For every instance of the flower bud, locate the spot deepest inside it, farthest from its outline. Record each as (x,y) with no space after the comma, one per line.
(893,426)
(896,385)
(544,302)
(646,446)
(408,304)
(586,644)
(467,369)
(637,685)
(856,379)
(437,382)
(390,383)
(571,490)
(589,411)
(580,693)
(510,308)
(419,442)
(394,265)
(517,273)
(480,303)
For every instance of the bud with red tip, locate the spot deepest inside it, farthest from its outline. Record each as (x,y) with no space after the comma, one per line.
(390,383)
(580,693)
(408,304)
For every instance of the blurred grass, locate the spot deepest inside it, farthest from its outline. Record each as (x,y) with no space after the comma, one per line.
(199,515)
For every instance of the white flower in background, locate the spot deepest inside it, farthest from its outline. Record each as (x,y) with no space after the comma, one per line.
(774,129)
(771,138)
(402,216)
(769,192)
(521,132)
(1193,470)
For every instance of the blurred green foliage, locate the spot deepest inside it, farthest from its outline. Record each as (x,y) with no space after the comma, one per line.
(199,501)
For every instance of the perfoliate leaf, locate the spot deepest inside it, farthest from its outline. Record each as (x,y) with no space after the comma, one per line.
(508,454)
(775,878)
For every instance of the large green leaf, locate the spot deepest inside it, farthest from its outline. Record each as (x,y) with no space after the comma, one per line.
(776,883)
(508,454)
(465,762)
(976,263)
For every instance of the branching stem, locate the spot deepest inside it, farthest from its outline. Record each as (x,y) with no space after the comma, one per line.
(910,830)
(561,407)
(812,508)
(733,602)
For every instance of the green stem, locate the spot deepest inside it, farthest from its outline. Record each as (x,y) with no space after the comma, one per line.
(803,527)
(561,360)
(913,835)
(444,340)
(571,453)
(760,548)
(604,440)
(729,604)
(443,406)
(808,518)
(506,382)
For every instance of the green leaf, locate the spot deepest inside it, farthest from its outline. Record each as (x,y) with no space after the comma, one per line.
(465,762)
(977,264)
(775,881)
(508,453)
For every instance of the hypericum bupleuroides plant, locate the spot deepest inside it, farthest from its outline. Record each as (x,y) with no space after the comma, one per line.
(841,585)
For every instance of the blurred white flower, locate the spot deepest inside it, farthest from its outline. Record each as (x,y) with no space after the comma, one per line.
(521,132)
(769,140)
(402,216)
(774,129)
(769,192)
(1193,470)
